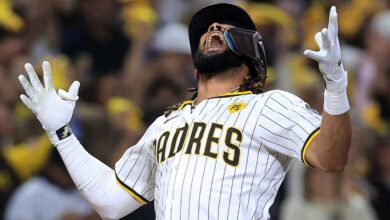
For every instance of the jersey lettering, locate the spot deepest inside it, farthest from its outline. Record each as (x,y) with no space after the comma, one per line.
(183,133)
(195,138)
(161,146)
(212,139)
(235,155)
(233,137)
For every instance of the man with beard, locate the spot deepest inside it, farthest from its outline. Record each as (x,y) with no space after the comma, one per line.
(223,153)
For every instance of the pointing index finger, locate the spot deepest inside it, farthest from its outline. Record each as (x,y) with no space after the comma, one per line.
(333,25)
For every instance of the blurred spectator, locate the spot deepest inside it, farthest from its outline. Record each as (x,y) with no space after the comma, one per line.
(8,18)
(161,94)
(8,183)
(43,28)
(171,11)
(6,126)
(354,14)
(373,73)
(8,177)
(135,14)
(107,86)
(12,38)
(18,161)
(359,154)
(173,55)
(379,178)
(8,88)
(327,196)
(172,62)
(11,46)
(49,196)
(128,125)
(97,36)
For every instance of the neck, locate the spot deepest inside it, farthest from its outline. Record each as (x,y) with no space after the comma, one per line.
(221,83)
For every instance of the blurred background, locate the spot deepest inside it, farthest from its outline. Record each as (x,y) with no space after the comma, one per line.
(132,58)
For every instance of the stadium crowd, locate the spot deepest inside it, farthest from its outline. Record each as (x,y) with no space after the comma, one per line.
(132,58)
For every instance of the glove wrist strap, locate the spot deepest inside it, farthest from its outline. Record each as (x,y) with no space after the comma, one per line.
(336,104)
(60,134)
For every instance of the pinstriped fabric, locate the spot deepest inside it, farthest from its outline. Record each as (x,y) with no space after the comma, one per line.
(136,169)
(222,159)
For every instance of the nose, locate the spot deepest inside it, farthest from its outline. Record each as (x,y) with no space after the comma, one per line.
(215,27)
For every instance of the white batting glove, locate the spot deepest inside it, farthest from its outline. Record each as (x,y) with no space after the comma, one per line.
(331,67)
(54,111)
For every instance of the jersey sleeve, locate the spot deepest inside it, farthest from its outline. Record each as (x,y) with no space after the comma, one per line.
(288,124)
(135,170)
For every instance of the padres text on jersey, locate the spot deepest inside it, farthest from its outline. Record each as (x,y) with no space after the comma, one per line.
(224,158)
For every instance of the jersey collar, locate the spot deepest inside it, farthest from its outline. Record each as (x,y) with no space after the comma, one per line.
(229,94)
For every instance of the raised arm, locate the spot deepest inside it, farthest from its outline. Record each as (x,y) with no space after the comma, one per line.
(95,180)
(329,148)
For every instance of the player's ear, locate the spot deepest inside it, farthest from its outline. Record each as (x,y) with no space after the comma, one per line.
(196,74)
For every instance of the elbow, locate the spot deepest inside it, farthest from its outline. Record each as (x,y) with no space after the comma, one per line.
(109,213)
(336,163)
(115,211)
(108,217)
(333,163)
(334,166)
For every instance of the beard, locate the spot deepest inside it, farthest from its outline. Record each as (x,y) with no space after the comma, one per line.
(213,64)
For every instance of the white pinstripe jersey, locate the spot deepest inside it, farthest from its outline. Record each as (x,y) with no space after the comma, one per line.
(225,158)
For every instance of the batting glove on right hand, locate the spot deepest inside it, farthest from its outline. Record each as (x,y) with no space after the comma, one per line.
(54,111)
(331,67)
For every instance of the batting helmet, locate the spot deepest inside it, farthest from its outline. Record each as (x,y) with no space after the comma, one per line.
(244,40)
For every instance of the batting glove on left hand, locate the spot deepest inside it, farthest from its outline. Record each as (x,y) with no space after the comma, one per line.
(330,65)
(54,111)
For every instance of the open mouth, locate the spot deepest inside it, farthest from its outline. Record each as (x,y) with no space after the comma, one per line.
(215,41)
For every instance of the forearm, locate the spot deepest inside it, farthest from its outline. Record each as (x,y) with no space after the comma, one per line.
(332,144)
(96,181)
(329,150)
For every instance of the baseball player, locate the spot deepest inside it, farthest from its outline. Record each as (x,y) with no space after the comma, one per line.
(223,153)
